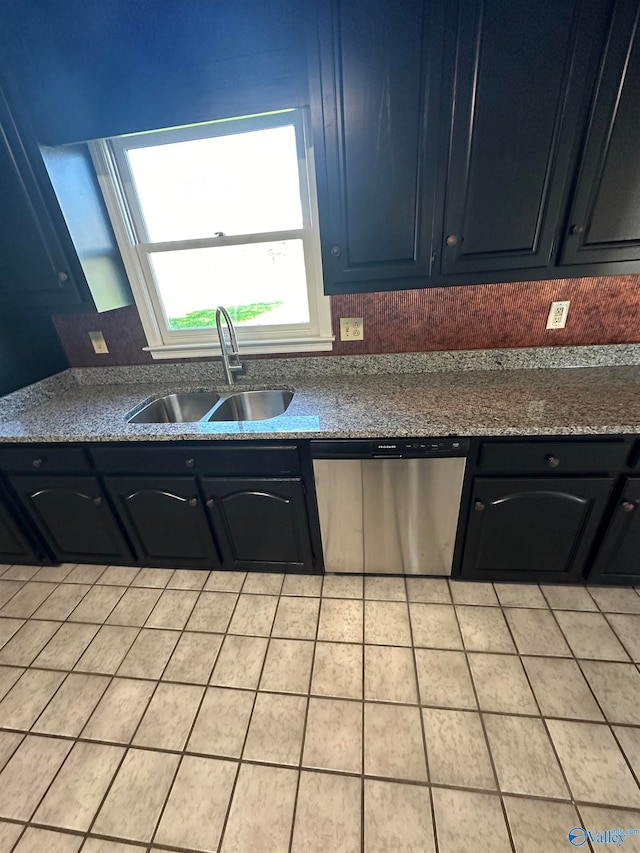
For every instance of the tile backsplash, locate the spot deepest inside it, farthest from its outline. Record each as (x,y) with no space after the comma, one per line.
(603,310)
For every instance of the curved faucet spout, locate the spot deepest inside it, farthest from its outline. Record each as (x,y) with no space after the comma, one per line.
(231,363)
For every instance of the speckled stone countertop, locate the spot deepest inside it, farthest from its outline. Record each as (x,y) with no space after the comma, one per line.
(92,405)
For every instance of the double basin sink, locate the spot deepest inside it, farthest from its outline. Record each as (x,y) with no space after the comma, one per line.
(208,406)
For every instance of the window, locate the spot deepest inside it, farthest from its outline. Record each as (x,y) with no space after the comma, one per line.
(221,213)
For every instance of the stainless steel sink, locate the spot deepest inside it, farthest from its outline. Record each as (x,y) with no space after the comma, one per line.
(252,406)
(206,406)
(176,408)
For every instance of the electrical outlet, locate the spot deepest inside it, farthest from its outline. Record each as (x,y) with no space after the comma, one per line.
(351,329)
(557,318)
(99,343)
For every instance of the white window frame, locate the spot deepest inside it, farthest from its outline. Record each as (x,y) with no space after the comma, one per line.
(111,164)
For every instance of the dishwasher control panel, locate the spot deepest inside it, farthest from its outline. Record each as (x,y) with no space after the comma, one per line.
(399,448)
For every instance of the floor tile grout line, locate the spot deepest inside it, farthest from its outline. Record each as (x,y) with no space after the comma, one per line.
(434,828)
(64,619)
(544,723)
(617,636)
(182,753)
(484,728)
(363,823)
(246,734)
(195,716)
(84,739)
(306,721)
(610,724)
(54,587)
(74,742)
(606,720)
(168,627)
(518,655)
(127,747)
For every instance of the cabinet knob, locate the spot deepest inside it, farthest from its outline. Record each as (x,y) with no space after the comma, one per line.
(452,240)
(552,461)
(38,463)
(628,506)
(210,503)
(97,501)
(62,277)
(193,501)
(336,251)
(577,229)
(479,506)
(190,463)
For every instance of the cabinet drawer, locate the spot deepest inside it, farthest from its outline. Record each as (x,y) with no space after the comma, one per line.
(45,460)
(572,457)
(225,461)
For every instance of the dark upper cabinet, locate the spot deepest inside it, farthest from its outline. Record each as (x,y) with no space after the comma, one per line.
(604,222)
(74,517)
(165,520)
(516,102)
(618,559)
(369,104)
(260,524)
(532,529)
(35,270)
(57,247)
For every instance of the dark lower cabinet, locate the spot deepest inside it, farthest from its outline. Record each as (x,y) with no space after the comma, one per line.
(260,523)
(74,517)
(14,545)
(532,529)
(165,519)
(618,560)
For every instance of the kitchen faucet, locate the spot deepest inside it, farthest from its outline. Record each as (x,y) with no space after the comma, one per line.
(230,357)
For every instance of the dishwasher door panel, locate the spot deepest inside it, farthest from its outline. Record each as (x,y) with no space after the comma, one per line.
(389,516)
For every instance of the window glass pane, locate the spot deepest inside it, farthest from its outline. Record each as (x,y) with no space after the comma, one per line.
(261,284)
(245,183)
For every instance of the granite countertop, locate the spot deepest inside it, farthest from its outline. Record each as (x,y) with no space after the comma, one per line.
(89,406)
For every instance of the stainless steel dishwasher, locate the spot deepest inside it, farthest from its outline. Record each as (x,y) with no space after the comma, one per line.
(389,506)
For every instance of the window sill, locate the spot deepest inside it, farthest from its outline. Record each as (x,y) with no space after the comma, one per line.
(267,347)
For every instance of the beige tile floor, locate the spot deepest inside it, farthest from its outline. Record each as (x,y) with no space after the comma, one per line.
(178,710)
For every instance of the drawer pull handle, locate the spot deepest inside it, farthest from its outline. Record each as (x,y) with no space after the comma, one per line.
(210,503)
(38,463)
(336,251)
(452,240)
(97,501)
(193,501)
(479,506)
(190,463)
(552,461)
(628,506)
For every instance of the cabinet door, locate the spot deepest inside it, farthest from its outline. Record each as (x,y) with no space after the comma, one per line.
(260,524)
(518,86)
(604,224)
(165,520)
(34,269)
(74,518)
(14,545)
(532,529)
(618,560)
(368,113)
